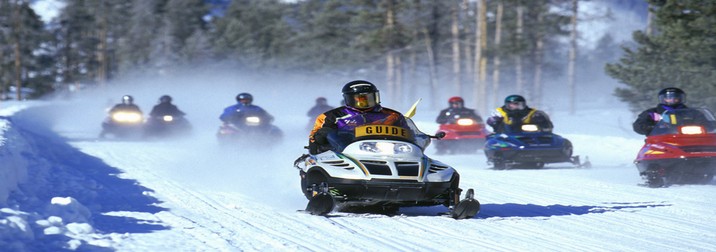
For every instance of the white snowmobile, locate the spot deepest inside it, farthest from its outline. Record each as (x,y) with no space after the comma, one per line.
(381,167)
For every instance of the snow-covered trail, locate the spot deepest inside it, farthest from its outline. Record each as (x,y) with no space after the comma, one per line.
(216,199)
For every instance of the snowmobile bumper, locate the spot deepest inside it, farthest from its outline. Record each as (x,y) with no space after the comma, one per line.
(689,165)
(528,155)
(394,191)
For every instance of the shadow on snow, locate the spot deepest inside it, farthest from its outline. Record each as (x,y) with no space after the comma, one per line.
(512,210)
(56,169)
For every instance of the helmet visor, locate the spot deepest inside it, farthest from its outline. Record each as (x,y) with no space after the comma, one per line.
(364,100)
(515,105)
(672,98)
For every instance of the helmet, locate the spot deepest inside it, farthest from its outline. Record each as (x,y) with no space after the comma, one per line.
(672,96)
(127,99)
(165,99)
(321,101)
(456,101)
(518,101)
(360,94)
(244,98)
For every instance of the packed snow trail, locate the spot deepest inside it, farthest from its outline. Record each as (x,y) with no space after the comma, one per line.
(190,194)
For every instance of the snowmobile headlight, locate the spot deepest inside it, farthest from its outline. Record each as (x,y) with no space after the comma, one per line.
(386,148)
(692,130)
(168,118)
(465,121)
(530,128)
(127,117)
(253,120)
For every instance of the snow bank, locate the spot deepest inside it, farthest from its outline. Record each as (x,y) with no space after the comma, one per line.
(31,218)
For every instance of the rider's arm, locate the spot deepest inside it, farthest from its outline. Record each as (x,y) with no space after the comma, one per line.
(644,123)
(228,112)
(442,117)
(540,118)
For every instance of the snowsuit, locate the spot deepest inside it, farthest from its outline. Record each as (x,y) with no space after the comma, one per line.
(448,116)
(647,119)
(346,119)
(162,109)
(505,120)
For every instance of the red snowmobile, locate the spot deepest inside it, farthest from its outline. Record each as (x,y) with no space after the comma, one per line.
(681,149)
(462,135)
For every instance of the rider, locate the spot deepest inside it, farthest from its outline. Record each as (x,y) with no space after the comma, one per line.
(515,113)
(669,99)
(362,107)
(127,104)
(457,110)
(243,107)
(320,107)
(165,107)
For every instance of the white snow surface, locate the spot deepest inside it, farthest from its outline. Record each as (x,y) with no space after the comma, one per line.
(62,189)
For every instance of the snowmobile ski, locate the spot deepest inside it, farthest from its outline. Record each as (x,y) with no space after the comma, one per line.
(322,202)
(466,208)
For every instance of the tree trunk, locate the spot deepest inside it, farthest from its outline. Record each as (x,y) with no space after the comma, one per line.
(572,58)
(16,45)
(432,69)
(390,57)
(399,95)
(649,20)
(519,72)
(102,44)
(467,51)
(412,70)
(538,54)
(480,91)
(496,63)
(455,31)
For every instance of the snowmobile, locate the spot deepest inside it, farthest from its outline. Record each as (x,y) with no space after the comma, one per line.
(529,147)
(166,126)
(249,128)
(462,135)
(123,124)
(681,149)
(382,168)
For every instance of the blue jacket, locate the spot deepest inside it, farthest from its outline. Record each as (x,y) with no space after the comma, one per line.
(238,111)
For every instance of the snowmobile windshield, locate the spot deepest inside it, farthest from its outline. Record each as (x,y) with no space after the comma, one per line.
(685,121)
(340,139)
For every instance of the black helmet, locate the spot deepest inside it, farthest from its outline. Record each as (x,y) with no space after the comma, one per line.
(360,94)
(165,99)
(520,102)
(127,99)
(672,96)
(244,98)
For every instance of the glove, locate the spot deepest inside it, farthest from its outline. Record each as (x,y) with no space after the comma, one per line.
(655,116)
(321,135)
(492,120)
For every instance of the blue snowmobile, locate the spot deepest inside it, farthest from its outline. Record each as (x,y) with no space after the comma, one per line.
(529,147)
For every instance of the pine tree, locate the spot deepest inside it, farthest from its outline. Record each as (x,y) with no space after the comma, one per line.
(680,53)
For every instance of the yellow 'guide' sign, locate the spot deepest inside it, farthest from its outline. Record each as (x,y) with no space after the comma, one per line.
(382,130)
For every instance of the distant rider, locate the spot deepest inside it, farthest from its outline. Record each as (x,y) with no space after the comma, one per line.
(127,104)
(165,107)
(456,110)
(320,107)
(670,98)
(362,107)
(511,116)
(235,114)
